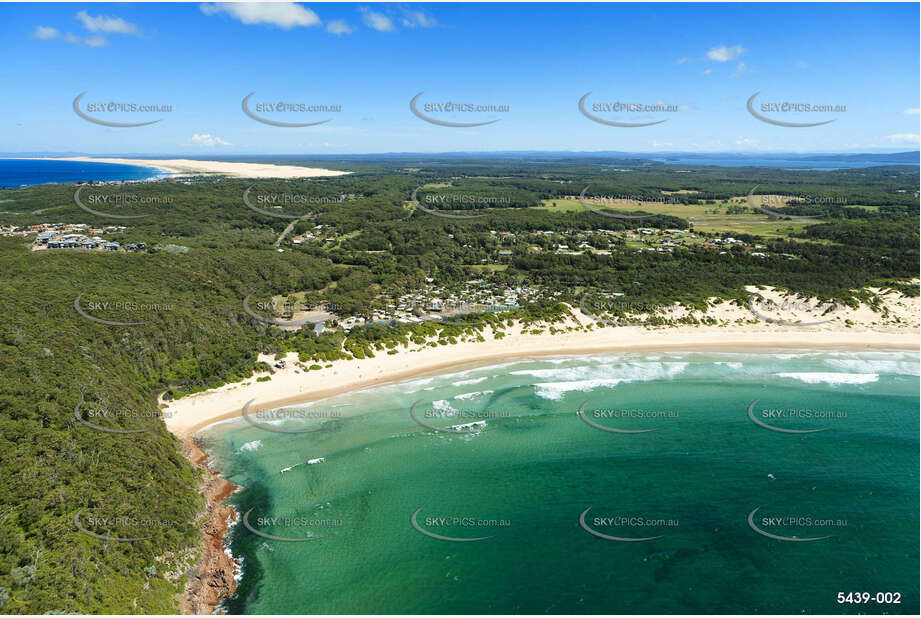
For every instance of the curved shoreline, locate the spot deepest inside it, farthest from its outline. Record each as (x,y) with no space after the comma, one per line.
(215,580)
(186,416)
(853,330)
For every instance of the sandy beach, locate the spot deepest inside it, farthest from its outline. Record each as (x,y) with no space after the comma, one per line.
(857,328)
(188,167)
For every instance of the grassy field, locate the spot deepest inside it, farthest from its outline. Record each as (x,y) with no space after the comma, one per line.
(709,218)
(758,225)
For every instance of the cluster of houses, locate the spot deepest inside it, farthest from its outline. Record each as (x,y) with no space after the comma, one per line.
(432,304)
(70,236)
(77,236)
(660,241)
(78,241)
(57,229)
(316,234)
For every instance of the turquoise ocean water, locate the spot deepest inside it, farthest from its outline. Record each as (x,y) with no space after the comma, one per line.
(355,481)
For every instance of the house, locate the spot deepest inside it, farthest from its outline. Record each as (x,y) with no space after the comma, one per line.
(112,246)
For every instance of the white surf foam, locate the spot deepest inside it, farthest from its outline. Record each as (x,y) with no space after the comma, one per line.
(470,381)
(869,365)
(556,390)
(817,377)
(473,394)
(586,377)
(251,446)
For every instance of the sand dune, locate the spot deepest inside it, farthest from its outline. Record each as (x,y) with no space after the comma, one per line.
(225,168)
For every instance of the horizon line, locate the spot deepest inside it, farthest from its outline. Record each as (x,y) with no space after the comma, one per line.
(58,153)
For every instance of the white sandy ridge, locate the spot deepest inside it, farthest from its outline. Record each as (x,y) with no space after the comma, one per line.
(224,168)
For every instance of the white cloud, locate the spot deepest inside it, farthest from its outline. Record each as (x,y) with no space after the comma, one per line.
(206,139)
(746,141)
(339,27)
(411,19)
(741,69)
(681,60)
(115,25)
(45,33)
(721,53)
(93,41)
(285,15)
(378,21)
(656,144)
(913,111)
(904,138)
(708,71)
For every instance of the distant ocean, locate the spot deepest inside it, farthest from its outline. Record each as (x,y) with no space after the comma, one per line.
(696,487)
(792,164)
(20,172)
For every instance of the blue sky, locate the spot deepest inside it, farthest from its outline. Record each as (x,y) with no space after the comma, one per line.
(371,59)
